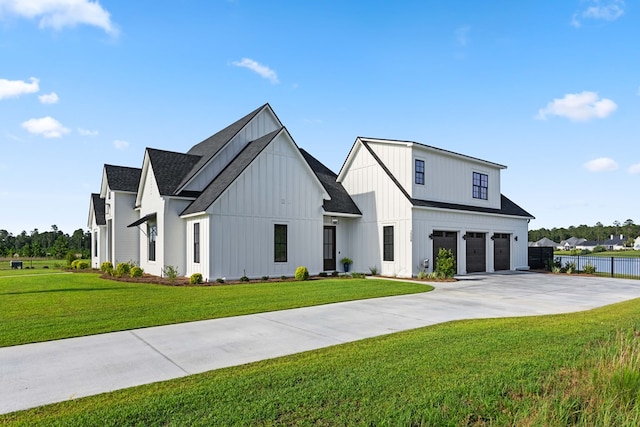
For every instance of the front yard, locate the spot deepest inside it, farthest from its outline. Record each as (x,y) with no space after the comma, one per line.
(42,305)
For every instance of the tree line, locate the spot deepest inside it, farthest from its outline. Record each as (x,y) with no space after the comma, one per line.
(597,232)
(54,243)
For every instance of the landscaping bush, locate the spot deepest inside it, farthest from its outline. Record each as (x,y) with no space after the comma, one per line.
(422,275)
(195,279)
(373,270)
(170,272)
(123,269)
(589,269)
(358,275)
(334,274)
(323,274)
(70,257)
(599,248)
(570,267)
(81,264)
(265,278)
(244,279)
(302,273)
(445,263)
(106,267)
(219,280)
(136,272)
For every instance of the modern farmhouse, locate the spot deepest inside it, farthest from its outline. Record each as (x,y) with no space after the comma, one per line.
(248,201)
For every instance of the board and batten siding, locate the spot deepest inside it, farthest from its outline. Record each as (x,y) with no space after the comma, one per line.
(382,204)
(262,124)
(426,221)
(99,239)
(396,157)
(125,240)
(450,179)
(151,202)
(276,188)
(201,267)
(174,244)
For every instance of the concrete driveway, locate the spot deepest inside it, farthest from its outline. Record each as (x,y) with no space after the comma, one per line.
(42,373)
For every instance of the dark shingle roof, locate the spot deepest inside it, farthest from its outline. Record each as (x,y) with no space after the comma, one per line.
(210,146)
(121,178)
(507,207)
(230,173)
(170,168)
(340,201)
(98,209)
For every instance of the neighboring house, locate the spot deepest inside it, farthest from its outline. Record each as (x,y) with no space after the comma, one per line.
(636,244)
(544,242)
(613,243)
(571,243)
(248,202)
(110,213)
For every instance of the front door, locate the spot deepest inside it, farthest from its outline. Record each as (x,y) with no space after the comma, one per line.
(329,248)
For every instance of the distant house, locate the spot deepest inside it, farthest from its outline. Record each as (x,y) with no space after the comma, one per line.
(544,242)
(613,243)
(636,244)
(570,243)
(247,201)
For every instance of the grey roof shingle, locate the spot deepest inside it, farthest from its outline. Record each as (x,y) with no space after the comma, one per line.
(230,173)
(98,209)
(170,168)
(340,201)
(507,207)
(210,146)
(122,178)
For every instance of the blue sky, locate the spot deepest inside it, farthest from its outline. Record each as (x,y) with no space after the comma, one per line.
(549,88)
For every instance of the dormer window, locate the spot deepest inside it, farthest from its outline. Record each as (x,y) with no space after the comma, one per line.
(419,167)
(480,186)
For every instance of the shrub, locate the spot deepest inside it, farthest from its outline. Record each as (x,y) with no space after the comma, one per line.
(422,275)
(74,264)
(445,263)
(334,274)
(195,279)
(136,272)
(373,270)
(123,269)
(264,278)
(219,280)
(70,257)
(358,275)
(106,267)
(283,277)
(589,269)
(323,274)
(599,248)
(244,279)
(82,264)
(170,272)
(302,273)
(570,267)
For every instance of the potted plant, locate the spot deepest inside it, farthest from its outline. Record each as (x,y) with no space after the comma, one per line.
(346,262)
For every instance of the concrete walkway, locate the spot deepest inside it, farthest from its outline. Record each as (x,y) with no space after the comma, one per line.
(42,373)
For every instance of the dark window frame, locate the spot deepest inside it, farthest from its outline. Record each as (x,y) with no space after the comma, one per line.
(419,171)
(152,236)
(388,243)
(280,249)
(480,186)
(196,243)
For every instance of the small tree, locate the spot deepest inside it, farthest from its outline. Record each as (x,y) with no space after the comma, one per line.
(302,273)
(445,263)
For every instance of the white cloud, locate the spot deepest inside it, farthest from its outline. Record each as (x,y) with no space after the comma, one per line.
(11,88)
(120,145)
(578,107)
(49,98)
(87,132)
(602,164)
(599,10)
(58,14)
(46,126)
(634,169)
(262,70)
(461,34)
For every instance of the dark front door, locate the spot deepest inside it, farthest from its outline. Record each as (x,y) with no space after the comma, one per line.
(476,252)
(329,247)
(445,240)
(501,251)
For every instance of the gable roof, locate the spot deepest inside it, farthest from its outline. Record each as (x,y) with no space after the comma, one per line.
(97,204)
(208,148)
(230,173)
(507,207)
(122,178)
(340,201)
(170,168)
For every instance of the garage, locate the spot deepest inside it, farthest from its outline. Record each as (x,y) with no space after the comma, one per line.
(444,240)
(476,252)
(501,251)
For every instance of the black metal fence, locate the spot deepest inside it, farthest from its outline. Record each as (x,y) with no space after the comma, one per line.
(626,268)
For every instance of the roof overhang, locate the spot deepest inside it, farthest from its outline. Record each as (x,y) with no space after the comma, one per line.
(342,214)
(144,219)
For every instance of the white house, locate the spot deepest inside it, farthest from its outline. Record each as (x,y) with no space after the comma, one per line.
(248,201)
(636,244)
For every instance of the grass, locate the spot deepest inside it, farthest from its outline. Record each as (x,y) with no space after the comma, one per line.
(616,254)
(36,263)
(53,306)
(577,369)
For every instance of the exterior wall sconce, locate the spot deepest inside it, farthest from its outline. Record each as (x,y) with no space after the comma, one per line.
(431,236)
(515,238)
(464,236)
(334,220)
(493,237)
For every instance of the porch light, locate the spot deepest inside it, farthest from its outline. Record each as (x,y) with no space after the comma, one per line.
(334,220)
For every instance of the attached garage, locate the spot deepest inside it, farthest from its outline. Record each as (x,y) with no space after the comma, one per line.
(444,240)
(476,252)
(501,251)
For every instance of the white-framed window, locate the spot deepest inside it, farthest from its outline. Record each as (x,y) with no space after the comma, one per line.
(196,242)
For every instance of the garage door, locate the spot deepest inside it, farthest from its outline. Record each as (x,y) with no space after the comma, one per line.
(502,251)
(476,252)
(446,240)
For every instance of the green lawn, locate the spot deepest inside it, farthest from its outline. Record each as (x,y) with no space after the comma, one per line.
(51,306)
(616,254)
(578,369)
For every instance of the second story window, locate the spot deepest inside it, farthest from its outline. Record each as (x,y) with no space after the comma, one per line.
(420,172)
(480,186)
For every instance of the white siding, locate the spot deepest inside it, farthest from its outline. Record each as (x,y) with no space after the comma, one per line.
(125,240)
(277,188)
(98,233)
(397,158)
(172,234)
(262,124)
(151,202)
(203,267)
(345,242)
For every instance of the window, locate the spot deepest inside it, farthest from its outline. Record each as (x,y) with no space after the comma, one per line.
(480,186)
(387,243)
(420,172)
(152,234)
(280,243)
(95,243)
(196,242)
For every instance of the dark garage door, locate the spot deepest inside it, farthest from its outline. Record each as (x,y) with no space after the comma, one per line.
(476,252)
(446,240)
(501,251)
